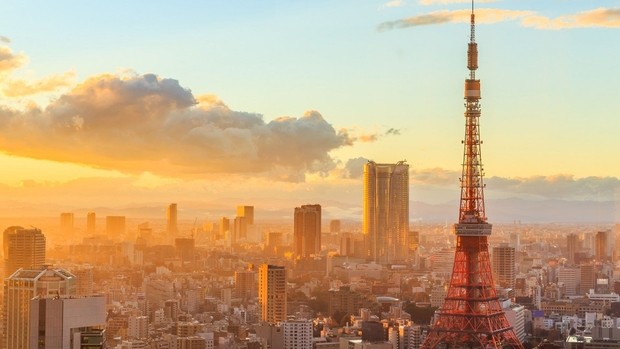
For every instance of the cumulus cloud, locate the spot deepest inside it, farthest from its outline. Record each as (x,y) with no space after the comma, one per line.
(601,17)
(5,40)
(433,176)
(146,123)
(354,168)
(368,138)
(10,61)
(559,187)
(17,88)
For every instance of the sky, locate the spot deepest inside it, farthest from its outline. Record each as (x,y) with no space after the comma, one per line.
(279,103)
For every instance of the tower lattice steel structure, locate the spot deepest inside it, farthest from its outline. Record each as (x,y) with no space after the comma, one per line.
(471,316)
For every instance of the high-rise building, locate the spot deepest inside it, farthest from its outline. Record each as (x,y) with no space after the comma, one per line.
(240,229)
(335,226)
(272,293)
(587,278)
(472,316)
(115,225)
(91,223)
(247,212)
(60,322)
(602,246)
(224,227)
(20,288)
(568,278)
(572,241)
(23,248)
(504,268)
(245,285)
(386,211)
(297,334)
(172,227)
(66,223)
(138,327)
(307,230)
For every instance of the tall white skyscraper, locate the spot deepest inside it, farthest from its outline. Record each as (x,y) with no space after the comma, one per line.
(386,211)
(23,248)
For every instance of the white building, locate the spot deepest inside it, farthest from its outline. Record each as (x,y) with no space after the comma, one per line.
(138,327)
(297,334)
(59,322)
(515,314)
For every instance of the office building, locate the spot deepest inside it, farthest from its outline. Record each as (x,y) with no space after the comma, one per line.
(297,334)
(66,223)
(602,246)
(245,285)
(572,241)
(240,230)
(63,322)
(20,288)
(386,211)
(335,225)
(504,268)
(224,228)
(172,227)
(307,230)
(91,223)
(138,327)
(587,278)
(272,293)
(23,248)
(568,279)
(246,212)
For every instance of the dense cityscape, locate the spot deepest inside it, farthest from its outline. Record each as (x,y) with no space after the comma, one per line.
(89,279)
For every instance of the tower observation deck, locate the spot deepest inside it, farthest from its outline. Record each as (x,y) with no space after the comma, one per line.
(471,316)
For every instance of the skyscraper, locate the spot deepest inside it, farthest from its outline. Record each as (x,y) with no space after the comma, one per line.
(91,221)
(272,293)
(20,288)
(172,227)
(572,241)
(307,230)
(247,212)
(471,316)
(504,266)
(66,223)
(386,211)
(23,248)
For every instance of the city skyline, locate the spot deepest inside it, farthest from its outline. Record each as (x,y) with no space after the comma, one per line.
(379,84)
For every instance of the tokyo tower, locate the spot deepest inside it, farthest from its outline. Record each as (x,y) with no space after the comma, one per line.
(471,316)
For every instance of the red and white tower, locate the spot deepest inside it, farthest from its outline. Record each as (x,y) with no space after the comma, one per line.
(471,316)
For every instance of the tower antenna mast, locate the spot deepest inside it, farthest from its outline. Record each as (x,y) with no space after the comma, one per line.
(472,316)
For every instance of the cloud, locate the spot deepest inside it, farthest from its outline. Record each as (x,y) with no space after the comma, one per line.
(483,15)
(10,61)
(433,176)
(394,3)
(18,87)
(601,17)
(5,40)
(146,123)
(368,138)
(354,168)
(559,187)
(445,2)
(392,131)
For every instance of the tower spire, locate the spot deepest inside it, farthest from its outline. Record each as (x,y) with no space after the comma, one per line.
(472,316)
